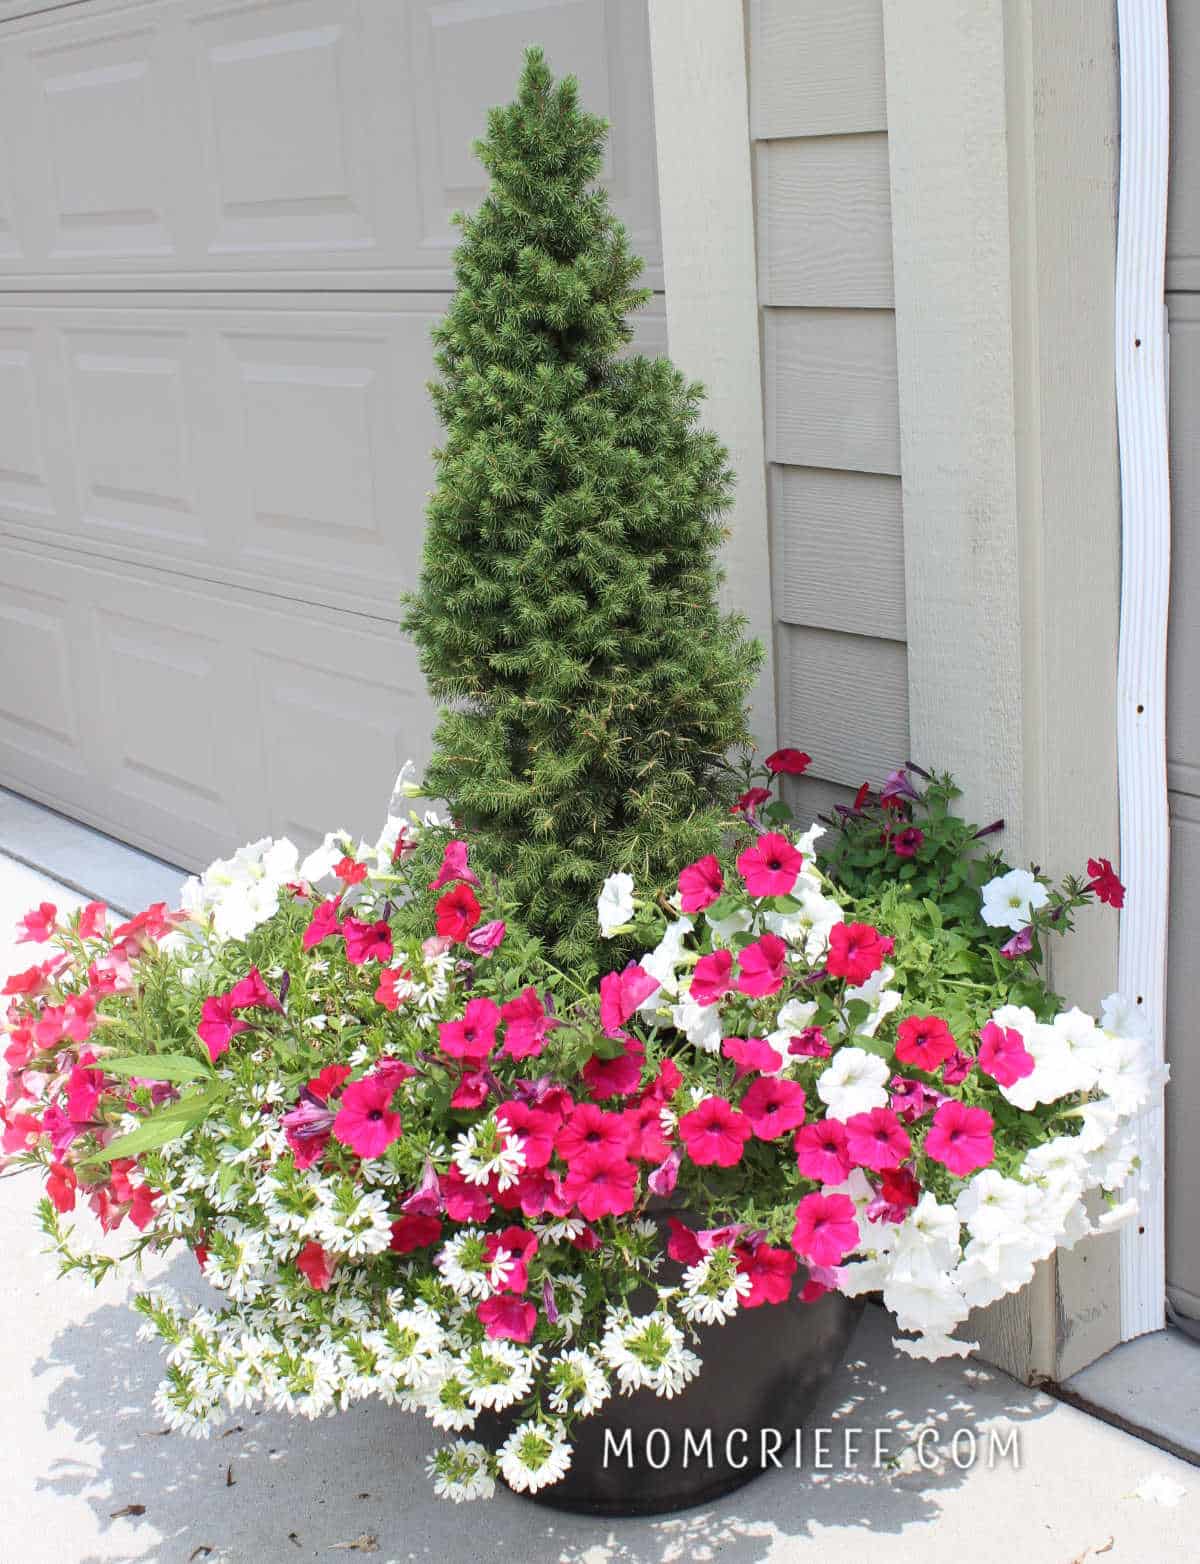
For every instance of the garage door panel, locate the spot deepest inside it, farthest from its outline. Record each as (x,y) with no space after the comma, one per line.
(205,722)
(325,140)
(24,472)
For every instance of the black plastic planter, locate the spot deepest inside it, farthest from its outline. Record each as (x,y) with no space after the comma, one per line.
(763,1372)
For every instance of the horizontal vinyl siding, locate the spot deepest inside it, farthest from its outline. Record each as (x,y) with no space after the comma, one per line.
(818,109)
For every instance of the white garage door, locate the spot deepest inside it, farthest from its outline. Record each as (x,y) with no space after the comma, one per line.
(224,235)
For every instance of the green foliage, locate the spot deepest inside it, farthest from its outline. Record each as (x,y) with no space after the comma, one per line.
(567,605)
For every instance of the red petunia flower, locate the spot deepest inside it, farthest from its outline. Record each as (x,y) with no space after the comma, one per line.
(413,1231)
(750,800)
(349,871)
(924,1041)
(772,1273)
(525,1025)
(323,923)
(367,941)
(856,950)
(37,926)
(316,1266)
(457,912)
(788,762)
(1104,883)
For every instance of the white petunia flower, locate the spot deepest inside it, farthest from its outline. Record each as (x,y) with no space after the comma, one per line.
(854,1082)
(614,907)
(1010,900)
(700,1024)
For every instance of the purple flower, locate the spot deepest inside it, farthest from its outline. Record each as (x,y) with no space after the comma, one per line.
(897,785)
(1020,944)
(485,940)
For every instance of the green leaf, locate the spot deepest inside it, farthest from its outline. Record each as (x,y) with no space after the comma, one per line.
(857,1011)
(934,911)
(158,1067)
(163,1125)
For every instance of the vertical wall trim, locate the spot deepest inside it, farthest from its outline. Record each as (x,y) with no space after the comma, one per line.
(702,130)
(1145,582)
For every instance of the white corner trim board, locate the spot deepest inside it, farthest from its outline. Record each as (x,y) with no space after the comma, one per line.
(1145,581)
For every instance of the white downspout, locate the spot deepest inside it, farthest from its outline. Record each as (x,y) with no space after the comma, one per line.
(1145,583)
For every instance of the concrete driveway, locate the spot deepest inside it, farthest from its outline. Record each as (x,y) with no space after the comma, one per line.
(88,1476)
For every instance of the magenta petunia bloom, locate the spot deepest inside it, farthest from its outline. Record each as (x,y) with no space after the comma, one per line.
(826,1229)
(1104,884)
(821,1152)
(509,1254)
(856,951)
(773,1106)
(715,1133)
(218,1024)
(811,1044)
(454,867)
(367,941)
(474,1037)
(712,978)
(365,1121)
(957,1068)
(324,922)
(37,926)
(534,1128)
(876,1140)
(621,993)
(700,884)
(911,1100)
(507,1318)
(1003,1055)
(665,1176)
(763,966)
(905,843)
(252,993)
(525,1025)
(924,1041)
(751,1053)
(771,866)
(601,1182)
(588,1128)
(771,1271)
(487,938)
(616,1077)
(1019,945)
(961,1138)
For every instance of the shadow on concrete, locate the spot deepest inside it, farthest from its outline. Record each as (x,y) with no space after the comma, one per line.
(272,1489)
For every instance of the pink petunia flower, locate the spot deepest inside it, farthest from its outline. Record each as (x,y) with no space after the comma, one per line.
(750,1054)
(316,1266)
(961,1138)
(507,1318)
(473,1089)
(37,926)
(821,1152)
(1003,1055)
(1019,945)
(712,978)
(811,1044)
(457,912)
(924,1041)
(826,1229)
(957,1068)
(525,1025)
(454,867)
(700,884)
(773,1106)
(324,922)
(601,1182)
(715,1133)
(771,867)
(911,1100)
(367,941)
(252,993)
(763,966)
(876,1140)
(465,1202)
(92,920)
(821,1279)
(748,803)
(487,938)
(856,951)
(474,1036)
(509,1253)
(588,1128)
(366,1121)
(219,1025)
(665,1176)
(621,993)
(905,843)
(533,1128)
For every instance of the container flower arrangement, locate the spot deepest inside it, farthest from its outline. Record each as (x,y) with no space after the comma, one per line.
(418,1160)
(515,1117)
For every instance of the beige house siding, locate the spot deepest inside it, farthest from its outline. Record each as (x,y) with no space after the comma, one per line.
(823,227)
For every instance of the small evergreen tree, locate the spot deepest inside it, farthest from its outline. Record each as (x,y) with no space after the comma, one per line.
(567,604)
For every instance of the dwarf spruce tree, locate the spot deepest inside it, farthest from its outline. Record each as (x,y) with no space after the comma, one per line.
(567,607)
